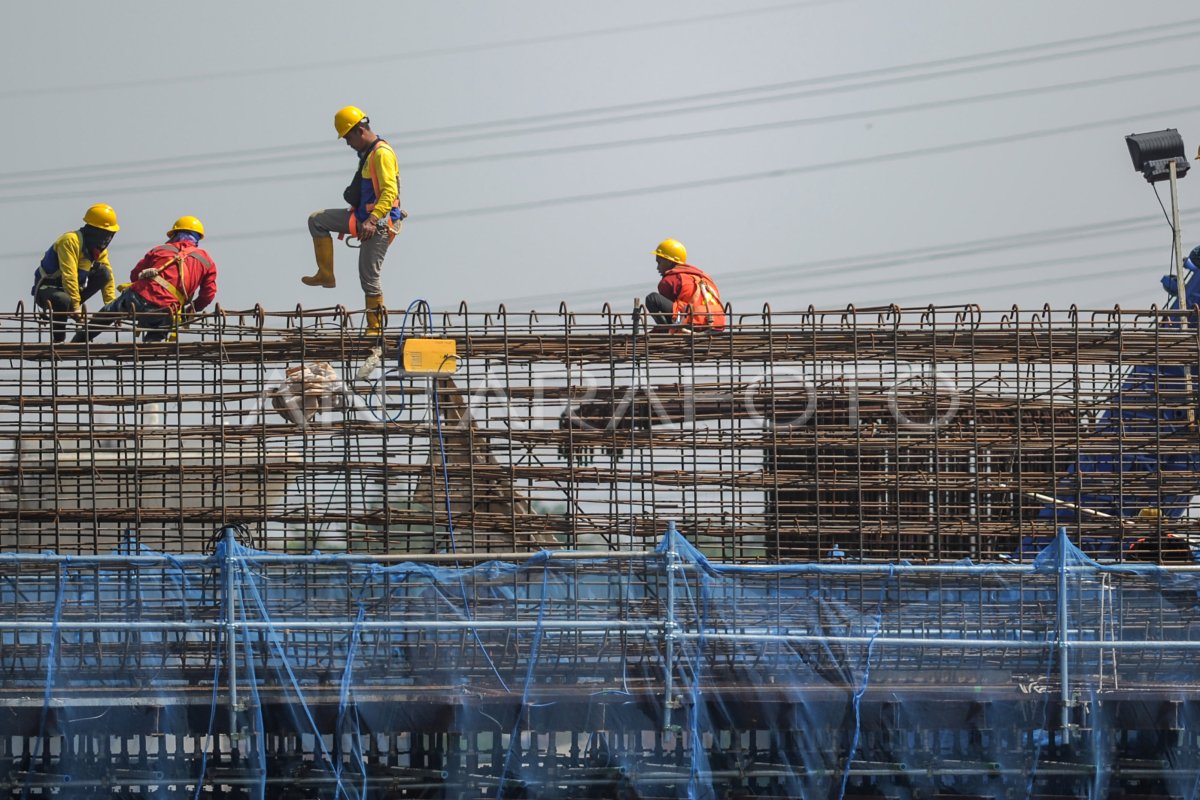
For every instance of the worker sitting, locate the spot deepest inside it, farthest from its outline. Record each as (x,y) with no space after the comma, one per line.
(74,268)
(169,280)
(687,298)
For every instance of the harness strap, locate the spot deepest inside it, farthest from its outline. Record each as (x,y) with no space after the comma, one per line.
(393,228)
(374,174)
(180,296)
(180,290)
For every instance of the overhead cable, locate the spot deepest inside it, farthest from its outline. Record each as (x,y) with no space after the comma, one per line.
(438,136)
(611,143)
(391,58)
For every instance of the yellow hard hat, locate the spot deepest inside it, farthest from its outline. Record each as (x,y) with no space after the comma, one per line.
(1152,513)
(672,250)
(346,119)
(101,216)
(188,223)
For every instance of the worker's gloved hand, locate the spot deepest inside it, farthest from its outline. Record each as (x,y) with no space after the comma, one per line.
(148,274)
(1171,284)
(78,313)
(367,229)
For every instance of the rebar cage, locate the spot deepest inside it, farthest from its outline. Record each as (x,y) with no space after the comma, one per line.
(931,434)
(274,558)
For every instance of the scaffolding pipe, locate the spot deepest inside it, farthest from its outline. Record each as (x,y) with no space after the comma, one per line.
(1064,635)
(231,632)
(670,629)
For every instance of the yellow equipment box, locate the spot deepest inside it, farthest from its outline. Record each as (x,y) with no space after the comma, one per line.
(430,356)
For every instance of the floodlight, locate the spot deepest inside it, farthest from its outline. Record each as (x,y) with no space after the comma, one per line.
(1153,153)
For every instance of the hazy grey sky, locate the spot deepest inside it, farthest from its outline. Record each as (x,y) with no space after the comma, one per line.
(806,153)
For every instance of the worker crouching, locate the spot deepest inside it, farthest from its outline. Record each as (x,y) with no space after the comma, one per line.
(171,280)
(687,299)
(74,268)
(374,216)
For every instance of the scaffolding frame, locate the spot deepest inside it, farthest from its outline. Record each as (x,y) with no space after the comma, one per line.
(245,672)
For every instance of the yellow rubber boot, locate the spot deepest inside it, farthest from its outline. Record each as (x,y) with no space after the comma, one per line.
(374,315)
(323,250)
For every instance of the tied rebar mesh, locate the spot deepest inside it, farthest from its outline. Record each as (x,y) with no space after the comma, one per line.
(931,434)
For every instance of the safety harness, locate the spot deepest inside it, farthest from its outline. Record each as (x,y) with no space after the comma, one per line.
(698,305)
(42,275)
(179,290)
(353,196)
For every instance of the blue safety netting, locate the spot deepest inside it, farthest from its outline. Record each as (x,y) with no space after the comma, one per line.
(661,674)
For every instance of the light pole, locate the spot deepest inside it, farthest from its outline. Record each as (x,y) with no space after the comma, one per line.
(1159,156)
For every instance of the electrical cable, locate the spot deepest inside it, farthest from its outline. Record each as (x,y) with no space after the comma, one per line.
(775,98)
(725,180)
(607,144)
(382,415)
(1174,255)
(1020,285)
(437,135)
(386,58)
(780,275)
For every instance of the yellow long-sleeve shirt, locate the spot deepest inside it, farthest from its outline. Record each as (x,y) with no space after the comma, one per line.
(66,260)
(387,171)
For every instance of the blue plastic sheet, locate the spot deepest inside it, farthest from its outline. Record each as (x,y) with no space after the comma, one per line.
(655,675)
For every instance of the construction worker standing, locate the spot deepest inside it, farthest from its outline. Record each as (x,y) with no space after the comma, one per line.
(74,268)
(687,298)
(374,216)
(171,279)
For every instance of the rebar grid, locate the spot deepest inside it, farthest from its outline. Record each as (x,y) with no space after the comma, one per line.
(880,434)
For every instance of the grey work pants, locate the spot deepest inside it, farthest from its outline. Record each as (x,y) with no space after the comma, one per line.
(370,255)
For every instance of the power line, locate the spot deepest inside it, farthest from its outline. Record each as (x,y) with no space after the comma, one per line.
(620,143)
(971,248)
(922,297)
(438,136)
(798,170)
(718,181)
(470,49)
(789,95)
(1043,282)
(778,276)
(1021,266)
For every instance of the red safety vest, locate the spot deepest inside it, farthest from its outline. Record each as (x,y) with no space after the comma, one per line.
(699,302)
